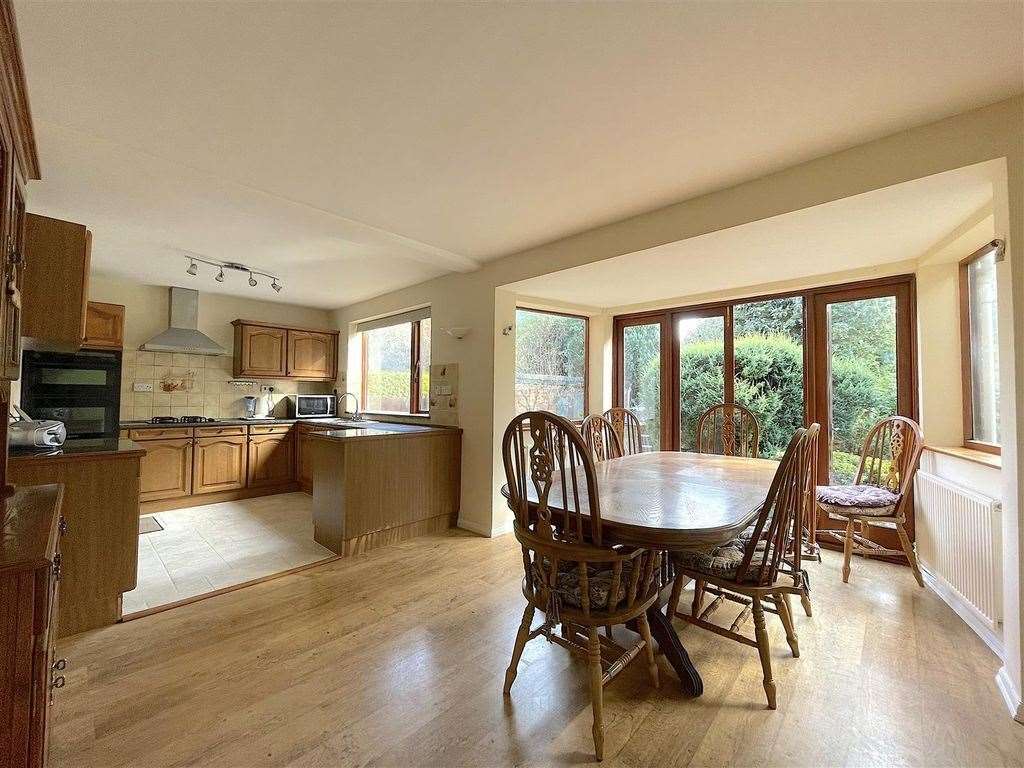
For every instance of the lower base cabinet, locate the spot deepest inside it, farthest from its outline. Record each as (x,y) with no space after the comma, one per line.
(166,469)
(219,464)
(271,459)
(30,673)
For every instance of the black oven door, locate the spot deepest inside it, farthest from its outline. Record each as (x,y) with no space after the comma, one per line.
(83,390)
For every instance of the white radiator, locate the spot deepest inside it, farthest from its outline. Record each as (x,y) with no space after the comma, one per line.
(959,543)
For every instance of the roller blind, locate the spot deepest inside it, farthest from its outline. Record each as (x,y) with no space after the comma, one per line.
(402,317)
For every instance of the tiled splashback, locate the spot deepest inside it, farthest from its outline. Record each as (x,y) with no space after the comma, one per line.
(197,385)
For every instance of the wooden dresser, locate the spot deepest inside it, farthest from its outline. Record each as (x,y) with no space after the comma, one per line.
(30,570)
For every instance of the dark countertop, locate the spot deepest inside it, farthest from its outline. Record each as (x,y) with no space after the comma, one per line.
(77,448)
(378,430)
(322,421)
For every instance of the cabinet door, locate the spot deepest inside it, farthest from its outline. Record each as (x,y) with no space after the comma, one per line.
(311,355)
(14,280)
(271,460)
(219,464)
(10,296)
(166,469)
(104,326)
(261,351)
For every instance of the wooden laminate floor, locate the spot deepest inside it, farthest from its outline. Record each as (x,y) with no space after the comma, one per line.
(396,658)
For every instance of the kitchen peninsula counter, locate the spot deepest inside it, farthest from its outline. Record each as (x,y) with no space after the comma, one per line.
(384,483)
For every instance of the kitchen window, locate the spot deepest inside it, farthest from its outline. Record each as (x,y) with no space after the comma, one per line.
(979,346)
(551,363)
(396,363)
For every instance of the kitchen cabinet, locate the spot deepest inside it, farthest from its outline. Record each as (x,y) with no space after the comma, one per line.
(311,354)
(55,297)
(104,326)
(303,455)
(271,457)
(219,464)
(30,574)
(166,469)
(284,352)
(261,351)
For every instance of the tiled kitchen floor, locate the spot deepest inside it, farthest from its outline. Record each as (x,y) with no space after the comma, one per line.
(202,549)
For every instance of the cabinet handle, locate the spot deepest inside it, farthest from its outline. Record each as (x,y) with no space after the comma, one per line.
(60,665)
(62,526)
(56,567)
(58,682)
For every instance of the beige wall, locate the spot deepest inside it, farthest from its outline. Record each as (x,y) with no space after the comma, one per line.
(473,299)
(209,392)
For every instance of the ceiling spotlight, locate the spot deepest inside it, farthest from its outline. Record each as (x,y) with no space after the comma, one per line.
(252,280)
(276,285)
(192,268)
(220,276)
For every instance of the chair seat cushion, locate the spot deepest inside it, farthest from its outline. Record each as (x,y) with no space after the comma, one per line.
(722,562)
(857,500)
(599,581)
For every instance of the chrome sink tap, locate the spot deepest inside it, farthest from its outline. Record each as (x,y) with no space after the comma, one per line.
(356,416)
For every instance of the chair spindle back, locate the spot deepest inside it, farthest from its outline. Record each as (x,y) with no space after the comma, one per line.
(890,455)
(780,514)
(729,429)
(601,438)
(629,429)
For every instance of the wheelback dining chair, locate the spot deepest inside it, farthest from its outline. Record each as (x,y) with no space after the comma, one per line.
(760,569)
(628,427)
(601,438)
(728,429)
(879,494)
(571,574)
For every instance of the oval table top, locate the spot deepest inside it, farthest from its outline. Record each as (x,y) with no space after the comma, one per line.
(674,500)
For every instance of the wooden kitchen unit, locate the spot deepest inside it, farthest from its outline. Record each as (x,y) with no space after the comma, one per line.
(30,576)
(188,466)
(104,326)
(373,487)
(101,509)
(265,351)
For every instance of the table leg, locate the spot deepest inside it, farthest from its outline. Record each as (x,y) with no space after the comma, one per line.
(668,643)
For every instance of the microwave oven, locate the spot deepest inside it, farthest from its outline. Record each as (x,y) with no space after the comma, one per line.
(307,406)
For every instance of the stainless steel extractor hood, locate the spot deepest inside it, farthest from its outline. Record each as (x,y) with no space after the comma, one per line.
(182,335)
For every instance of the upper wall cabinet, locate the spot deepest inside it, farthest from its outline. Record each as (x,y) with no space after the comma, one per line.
(56,293)
(18,164)
(311,354)
(284,352)
(104,326)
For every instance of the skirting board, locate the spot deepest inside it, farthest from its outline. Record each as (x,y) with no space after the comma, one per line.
(963,609)
(1010,695)
(480,530)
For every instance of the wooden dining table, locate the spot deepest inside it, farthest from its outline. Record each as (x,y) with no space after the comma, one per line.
(668,500)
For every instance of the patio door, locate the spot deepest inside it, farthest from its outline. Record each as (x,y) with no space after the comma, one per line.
(702,368)
(863,371)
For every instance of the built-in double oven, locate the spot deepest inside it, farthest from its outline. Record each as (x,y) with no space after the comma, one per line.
(82,389)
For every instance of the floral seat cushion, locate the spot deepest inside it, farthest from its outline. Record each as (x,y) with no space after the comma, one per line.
(599,582)
(857,500)
(722,562)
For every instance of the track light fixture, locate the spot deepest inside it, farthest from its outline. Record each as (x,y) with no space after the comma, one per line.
(193,269)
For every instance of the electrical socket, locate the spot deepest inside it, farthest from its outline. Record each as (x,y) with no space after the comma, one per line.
(142,386)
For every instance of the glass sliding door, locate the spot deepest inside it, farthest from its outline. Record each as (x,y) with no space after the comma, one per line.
(768,343)
(641,378)
(703,352)
(863,358)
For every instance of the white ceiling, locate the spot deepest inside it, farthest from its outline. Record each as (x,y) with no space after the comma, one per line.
(358,147)
(898,223)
